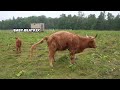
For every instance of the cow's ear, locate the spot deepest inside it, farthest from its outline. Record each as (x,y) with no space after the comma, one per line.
(96,35)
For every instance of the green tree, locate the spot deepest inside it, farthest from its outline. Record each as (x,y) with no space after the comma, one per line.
(110,21)
(117,22)
(91,22)
(101,23)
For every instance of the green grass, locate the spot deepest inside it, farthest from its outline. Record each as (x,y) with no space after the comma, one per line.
(100,63)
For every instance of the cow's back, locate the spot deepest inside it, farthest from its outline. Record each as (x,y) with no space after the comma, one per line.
(62,40)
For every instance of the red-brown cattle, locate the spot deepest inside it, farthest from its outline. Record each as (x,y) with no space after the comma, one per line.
(63,40)
(18,45)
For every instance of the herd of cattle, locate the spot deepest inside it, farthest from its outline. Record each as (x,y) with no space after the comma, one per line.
(60,41)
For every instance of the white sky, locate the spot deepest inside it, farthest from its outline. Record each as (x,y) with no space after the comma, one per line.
(9,14)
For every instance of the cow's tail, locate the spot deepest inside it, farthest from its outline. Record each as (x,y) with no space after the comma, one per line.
(35,45)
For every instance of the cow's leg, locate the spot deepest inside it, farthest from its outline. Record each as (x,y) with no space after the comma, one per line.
(72,57)
(51,57)
(20,49)
(17,49)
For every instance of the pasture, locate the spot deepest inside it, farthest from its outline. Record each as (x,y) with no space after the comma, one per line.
(100,63)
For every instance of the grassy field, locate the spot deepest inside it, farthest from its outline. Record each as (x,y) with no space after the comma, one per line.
(100,63)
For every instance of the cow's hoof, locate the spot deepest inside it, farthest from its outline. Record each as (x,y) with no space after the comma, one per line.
(51,65)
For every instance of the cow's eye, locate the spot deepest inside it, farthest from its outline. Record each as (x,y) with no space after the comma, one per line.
(91,43)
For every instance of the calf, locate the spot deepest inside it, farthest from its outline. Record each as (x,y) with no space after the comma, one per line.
(18,45)
(63,40)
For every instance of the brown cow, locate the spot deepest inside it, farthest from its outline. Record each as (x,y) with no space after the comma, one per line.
(63,40)
(18,45)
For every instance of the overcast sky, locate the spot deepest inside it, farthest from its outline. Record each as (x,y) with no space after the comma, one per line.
(9,14)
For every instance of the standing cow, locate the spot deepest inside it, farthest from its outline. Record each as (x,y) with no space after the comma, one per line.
(18,45)
(63,40)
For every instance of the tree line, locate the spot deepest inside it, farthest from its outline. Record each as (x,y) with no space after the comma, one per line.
(76,22)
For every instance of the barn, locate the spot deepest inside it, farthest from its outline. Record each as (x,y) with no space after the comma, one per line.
(38,26)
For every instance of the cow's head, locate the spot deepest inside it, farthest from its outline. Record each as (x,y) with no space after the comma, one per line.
(91,41)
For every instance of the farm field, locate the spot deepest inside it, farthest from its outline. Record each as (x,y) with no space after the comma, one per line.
(100,63)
